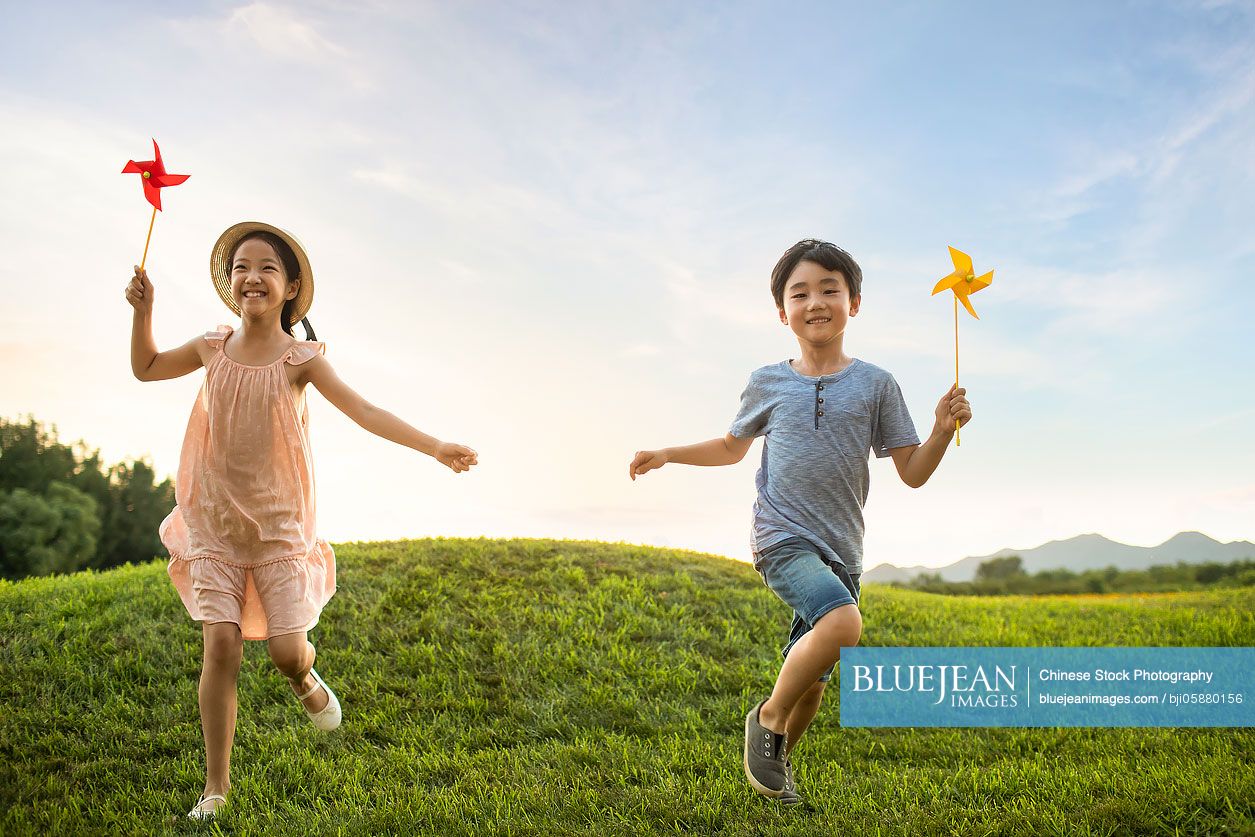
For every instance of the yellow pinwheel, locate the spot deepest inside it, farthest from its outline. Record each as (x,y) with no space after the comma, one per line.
(964,282)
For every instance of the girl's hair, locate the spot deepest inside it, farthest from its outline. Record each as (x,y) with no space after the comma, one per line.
(291,269)
(828,256)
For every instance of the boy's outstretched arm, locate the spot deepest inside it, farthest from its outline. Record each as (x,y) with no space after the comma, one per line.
(726,451)
(148,364)
(916,463)
(318,371)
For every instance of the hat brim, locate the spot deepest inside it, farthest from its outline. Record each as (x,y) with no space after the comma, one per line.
(220,265)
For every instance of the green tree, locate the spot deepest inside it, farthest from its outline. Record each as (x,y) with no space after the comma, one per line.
(1095,583)
(999,569)
(137,505)
(32,458)
(129,503)
(46,533)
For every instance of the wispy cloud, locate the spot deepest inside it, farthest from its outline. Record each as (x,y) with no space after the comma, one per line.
(1110,301)
(641,350)
(279,31)
(1126,160)
(1232,98)
(1073,195)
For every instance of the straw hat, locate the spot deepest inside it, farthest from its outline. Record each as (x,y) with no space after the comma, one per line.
(220,265)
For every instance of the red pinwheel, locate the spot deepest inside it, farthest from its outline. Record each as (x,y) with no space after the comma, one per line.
(155,178)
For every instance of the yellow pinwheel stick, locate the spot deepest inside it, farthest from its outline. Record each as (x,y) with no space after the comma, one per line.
(964,281)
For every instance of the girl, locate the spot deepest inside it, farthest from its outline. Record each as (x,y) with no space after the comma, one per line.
(244,556)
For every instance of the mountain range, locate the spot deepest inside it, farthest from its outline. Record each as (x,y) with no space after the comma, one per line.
(1081,553)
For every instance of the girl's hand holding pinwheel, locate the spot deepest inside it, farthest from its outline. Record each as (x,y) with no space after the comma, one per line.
(139,292)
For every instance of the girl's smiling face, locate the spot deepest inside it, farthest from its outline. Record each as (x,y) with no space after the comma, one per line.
(259,282)
(817,303)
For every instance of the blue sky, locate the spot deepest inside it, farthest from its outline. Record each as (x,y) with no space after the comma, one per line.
(547,232)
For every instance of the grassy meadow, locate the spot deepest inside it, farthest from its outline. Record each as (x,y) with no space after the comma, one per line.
(558,687)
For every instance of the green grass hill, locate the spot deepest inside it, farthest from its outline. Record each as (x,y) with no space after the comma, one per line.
(557,687)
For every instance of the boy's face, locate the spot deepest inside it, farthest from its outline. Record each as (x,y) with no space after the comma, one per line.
(817,303)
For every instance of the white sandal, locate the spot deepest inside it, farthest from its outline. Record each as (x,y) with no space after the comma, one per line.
(327,718)
(200,812)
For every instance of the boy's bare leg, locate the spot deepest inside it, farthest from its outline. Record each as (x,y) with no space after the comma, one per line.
(807,660)
(294,657)
(803,713)
(224,648)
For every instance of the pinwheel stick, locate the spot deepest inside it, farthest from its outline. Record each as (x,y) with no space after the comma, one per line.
(150,238)
(956,362)
(963,282)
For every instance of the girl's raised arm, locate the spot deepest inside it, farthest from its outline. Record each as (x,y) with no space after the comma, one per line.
(382,423)
(147,363)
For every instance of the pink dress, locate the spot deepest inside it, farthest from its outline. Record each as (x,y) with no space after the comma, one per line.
(242,543)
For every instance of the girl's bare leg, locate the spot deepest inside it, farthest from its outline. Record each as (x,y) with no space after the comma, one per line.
(293,655)
(224,648)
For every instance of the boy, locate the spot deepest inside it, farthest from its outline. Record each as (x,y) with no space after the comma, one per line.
(821,415)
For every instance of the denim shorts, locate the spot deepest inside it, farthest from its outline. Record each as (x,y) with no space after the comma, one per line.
(798,574)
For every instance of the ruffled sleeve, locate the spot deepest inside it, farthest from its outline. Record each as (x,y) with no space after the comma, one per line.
(216,337)
(304,350)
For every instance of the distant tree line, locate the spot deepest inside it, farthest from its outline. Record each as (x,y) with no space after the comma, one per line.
(1006,576)
(63,510)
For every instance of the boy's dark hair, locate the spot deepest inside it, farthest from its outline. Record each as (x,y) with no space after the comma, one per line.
(828,256)
(291,269)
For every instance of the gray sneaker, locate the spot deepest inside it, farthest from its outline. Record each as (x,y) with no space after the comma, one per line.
(765,766)
(791,795)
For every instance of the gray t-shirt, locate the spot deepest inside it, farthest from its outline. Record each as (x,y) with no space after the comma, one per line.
(813,480)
